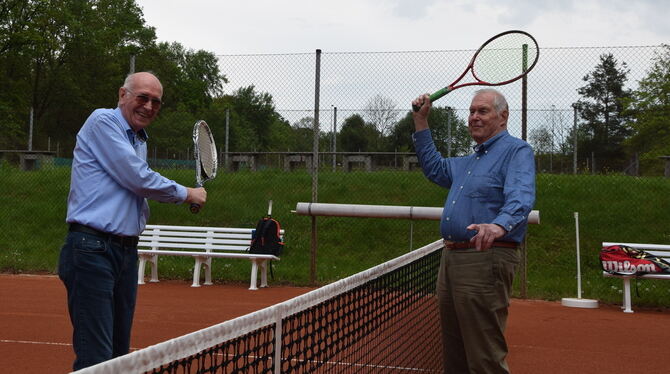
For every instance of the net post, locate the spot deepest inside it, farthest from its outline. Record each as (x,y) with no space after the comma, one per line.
(278,340)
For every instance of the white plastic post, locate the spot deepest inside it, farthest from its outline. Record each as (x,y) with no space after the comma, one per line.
(579,268)
(578,302)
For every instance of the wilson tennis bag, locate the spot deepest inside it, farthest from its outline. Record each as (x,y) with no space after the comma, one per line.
(624,260)
(266,239)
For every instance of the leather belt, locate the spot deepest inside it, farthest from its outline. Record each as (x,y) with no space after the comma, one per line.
(467,245)
(124,241)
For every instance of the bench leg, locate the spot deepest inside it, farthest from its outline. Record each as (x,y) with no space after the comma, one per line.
(196,271)
(264,273)
(140,270)
(154,268)
(208,272)
(626,296)
(254,273)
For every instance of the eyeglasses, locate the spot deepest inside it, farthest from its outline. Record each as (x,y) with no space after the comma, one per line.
(143,99)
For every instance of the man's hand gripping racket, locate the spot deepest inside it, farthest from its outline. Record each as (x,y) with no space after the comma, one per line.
(205,157)
(502,59)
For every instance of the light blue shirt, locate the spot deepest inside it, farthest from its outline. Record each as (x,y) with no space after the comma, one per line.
(111,179)
(496,185)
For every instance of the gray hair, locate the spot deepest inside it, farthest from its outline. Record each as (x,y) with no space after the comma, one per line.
(499,101)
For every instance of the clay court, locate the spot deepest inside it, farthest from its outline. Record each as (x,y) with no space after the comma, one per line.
(544,337)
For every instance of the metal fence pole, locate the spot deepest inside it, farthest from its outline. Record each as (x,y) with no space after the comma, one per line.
(315,165)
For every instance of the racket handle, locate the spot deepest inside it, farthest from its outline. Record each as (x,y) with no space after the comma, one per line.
(195,208)
(436,95)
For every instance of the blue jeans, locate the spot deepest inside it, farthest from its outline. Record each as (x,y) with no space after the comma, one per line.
(101,281)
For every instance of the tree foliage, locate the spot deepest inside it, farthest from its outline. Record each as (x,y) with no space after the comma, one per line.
(649,106)
(601,110)
(450,133)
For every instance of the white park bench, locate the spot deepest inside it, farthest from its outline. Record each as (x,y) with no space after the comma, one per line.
(658,250)
(203,244)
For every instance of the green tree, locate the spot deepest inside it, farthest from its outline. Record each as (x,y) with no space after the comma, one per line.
(59,61)
(450,142)
(649,107)
(357,136)
(601,111)
(190,78)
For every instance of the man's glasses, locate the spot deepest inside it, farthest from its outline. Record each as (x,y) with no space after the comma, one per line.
(143,99)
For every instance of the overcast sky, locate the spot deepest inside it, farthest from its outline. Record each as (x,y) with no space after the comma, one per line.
(296,26)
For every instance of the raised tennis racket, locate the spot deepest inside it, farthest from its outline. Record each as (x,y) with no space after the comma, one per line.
(502,59)
(205,157)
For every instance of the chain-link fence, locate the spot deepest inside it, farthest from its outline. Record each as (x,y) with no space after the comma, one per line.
(626,201)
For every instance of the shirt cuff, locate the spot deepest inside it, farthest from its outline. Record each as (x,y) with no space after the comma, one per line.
(182,193)
(422,136)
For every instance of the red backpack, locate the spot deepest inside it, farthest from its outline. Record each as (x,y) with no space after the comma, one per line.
(624,260)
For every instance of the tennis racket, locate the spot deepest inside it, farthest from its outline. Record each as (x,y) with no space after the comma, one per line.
(205,157)
(502,59)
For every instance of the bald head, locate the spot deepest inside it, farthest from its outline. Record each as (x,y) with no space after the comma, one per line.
(140,99)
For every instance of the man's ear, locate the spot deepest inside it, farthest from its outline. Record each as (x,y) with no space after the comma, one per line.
(505,115)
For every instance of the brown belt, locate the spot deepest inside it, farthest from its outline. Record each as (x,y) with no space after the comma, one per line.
(467,245)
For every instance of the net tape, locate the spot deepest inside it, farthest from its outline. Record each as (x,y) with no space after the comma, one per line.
(383,319)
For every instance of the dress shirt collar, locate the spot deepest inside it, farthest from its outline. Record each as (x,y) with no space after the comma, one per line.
(482,148)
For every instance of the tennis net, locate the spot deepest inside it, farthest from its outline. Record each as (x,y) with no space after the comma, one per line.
(382,320)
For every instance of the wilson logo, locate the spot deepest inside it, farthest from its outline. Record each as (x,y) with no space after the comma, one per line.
(627,267)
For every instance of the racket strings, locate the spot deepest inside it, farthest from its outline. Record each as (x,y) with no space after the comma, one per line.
(206,152)
(505,58)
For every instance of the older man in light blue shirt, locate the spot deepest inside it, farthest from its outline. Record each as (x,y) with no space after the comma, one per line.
(485,216)
(106,211)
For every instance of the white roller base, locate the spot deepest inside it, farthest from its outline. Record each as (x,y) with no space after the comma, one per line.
(579,303)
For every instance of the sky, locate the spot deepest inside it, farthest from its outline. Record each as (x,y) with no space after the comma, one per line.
(230,28)
(299,26)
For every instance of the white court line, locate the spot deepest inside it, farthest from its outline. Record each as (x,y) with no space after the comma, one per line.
(43,343)
(31,342)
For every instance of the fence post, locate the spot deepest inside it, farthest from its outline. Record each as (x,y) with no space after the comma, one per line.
(315,165)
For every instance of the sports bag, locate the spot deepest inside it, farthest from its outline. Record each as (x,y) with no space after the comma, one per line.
(266,239)
(624,260)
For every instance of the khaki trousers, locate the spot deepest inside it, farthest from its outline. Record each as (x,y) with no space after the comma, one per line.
(473,289)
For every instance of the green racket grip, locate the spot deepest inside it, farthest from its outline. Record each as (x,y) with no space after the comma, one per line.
(436,95)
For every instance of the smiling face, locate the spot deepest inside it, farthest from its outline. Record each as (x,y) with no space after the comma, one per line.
(485,120)
(138,112)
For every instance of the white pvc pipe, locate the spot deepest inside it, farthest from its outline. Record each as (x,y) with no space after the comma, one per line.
(579,270)
(380,211)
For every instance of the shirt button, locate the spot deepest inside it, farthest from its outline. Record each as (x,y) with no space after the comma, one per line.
(461,187)
(468,172)
(448,236)
(447,218)
(477,158)
(453,202)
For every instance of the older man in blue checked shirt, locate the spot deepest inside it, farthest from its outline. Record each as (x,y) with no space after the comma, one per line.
(491,193)
(106,212)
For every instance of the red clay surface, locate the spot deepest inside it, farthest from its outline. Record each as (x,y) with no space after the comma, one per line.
(544,337)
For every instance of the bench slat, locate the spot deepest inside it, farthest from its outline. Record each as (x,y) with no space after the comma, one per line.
(203,241)
(203,254)
(658,247)
(195,246)
(194,234)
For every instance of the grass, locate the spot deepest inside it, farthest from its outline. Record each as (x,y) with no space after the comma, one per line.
(611,208)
